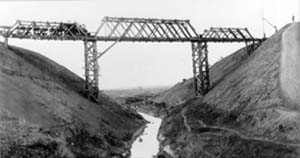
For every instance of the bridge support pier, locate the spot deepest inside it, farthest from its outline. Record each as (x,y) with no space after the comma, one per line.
(91,70)
(200,67)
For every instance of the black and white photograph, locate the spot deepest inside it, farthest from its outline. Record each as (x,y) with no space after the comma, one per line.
(149,78)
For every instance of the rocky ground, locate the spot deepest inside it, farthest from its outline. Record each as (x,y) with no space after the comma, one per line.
(43,113)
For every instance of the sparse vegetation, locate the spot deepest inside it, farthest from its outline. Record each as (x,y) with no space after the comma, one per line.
(43,113)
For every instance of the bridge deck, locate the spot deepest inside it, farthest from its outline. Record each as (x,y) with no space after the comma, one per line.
(126,30)
(132,30)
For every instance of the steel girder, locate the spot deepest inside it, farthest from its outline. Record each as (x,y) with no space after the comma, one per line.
(200,68)
(45,31)
(91,70)
(133,29)
(220,34)
(145,30)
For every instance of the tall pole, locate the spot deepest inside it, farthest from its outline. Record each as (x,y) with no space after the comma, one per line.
(263,19)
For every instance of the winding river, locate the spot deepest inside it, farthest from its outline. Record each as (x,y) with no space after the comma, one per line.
(147,145)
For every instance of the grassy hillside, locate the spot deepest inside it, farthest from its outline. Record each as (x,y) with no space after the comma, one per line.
(44,114)
(183,91)
(243,115)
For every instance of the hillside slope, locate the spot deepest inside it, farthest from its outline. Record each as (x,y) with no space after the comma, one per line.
(183,91)
(43,112)
(245,114)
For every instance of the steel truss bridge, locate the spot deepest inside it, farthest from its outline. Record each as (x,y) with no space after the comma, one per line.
(132,30)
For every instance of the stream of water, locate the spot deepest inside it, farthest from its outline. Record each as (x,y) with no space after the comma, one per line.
(147,145)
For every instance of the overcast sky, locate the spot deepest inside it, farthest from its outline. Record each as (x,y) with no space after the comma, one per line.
(145,64)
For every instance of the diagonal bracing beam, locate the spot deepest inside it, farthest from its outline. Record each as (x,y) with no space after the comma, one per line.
(200,68)
(133,29)
(147,30)
(91,70)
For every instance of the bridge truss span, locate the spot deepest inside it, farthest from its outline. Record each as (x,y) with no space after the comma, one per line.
(226,34)
(132,30)
(220,34)
(45,31)
(145,30)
